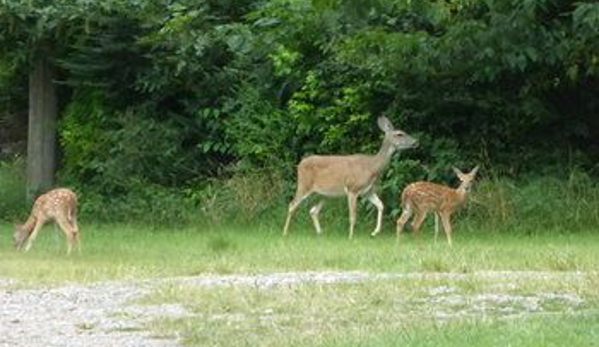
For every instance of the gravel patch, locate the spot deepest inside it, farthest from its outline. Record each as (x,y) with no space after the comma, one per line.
(103,314)
(76,315)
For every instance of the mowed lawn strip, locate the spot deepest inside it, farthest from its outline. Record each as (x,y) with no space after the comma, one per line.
(136,252)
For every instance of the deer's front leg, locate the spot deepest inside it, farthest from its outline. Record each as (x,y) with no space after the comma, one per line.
(314,211)
(351,201)
(446,220)
(33,235)
(374,199)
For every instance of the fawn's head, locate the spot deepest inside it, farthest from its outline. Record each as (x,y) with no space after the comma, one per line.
(466,179)
(19,236)
(398,138)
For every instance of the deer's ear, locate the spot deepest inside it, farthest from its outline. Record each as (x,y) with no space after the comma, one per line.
(474,171)
(458,172)
(385,124)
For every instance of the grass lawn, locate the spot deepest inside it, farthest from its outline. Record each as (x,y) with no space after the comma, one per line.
(119,251)
(468,309)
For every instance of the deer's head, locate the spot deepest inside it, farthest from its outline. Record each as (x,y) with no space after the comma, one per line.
(398,138)
(466,179)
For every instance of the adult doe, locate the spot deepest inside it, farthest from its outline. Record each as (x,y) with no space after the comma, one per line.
(351,175)
(58,205)
(422,197)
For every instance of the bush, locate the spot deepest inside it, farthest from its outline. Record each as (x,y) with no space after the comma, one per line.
(144,204)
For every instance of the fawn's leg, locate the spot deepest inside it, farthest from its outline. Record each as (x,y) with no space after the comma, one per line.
(351,201)
(436,226)
(314,211)
(403,219)
(75,228)
(446,219)
(374,199)
(38,226)
(293,205)
(417,222)
(69,232)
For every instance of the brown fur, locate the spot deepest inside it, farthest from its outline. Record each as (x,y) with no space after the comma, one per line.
(422,197)
(350,175)
(58,205)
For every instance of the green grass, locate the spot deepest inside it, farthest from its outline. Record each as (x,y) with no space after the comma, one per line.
(461,310)
(552,331)
(121,251)
(391,312)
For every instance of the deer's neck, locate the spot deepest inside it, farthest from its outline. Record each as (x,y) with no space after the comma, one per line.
(461,193)
(382,158)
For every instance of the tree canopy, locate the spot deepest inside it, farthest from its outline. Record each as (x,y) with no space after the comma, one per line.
(218,87)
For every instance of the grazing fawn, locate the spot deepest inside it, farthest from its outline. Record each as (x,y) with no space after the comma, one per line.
(422,197)
(350,175)
(59,205)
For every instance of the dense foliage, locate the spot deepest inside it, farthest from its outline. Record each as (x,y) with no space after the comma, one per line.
(160,100)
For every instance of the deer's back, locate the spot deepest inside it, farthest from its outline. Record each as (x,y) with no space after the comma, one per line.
(430,196)
(57,202)
(331,175)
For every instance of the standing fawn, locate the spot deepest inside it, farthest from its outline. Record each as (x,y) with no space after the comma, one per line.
(422,197)
(350,175)
(59,205)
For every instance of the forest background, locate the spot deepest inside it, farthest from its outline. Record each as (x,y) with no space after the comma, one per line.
(181,112)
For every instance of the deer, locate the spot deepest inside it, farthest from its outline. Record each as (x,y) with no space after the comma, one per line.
(422,197)
(351,175)
(58,205)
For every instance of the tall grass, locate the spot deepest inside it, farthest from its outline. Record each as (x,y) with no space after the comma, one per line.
(12,189)
(259,198)
(537,205)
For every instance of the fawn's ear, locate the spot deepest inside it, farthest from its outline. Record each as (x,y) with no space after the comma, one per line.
(385,124)
(458,172)
(474,171)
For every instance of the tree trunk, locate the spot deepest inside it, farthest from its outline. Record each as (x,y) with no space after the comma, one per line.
(41,139)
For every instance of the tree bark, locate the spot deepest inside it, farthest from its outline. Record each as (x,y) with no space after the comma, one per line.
(41,139)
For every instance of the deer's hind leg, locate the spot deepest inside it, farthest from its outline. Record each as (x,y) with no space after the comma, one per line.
(418,220)
(71,233)
(75,228)
(300,196)
(436,226)
(403,219)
